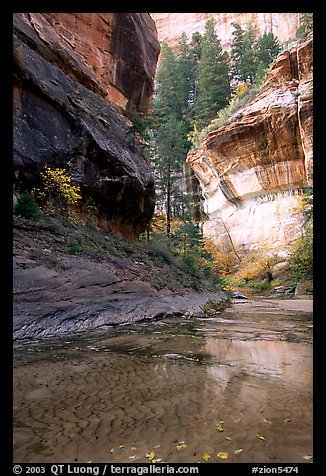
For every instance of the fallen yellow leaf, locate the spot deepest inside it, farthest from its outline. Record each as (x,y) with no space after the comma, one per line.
(228,438)
(222,454)
(238,451)
(133,448)
(121,446)
(219,427)
(206,456)
(156,446)
(267,421)
(180,446)
(287,420)
(261,437)
(150,455)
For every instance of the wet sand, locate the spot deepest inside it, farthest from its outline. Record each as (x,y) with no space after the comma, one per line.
(178,387)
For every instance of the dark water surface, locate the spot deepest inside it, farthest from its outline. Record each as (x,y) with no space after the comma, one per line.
(238,383)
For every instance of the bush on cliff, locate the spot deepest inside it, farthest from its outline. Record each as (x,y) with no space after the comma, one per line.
(27,207)
(57,191)
(301,261)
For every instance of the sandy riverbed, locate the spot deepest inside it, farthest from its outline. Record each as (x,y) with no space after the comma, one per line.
(170,387)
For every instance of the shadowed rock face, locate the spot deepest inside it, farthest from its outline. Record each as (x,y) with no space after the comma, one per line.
(253,169)
(75,75)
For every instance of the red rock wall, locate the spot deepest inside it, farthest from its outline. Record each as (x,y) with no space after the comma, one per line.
(118,50)
(171,25)
(75,76)
(253,169)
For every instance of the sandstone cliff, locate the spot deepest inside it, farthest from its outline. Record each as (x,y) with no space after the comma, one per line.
(171,25)
(75,77)
(253,169)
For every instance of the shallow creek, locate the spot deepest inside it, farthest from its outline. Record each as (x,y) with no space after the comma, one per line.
(239,383)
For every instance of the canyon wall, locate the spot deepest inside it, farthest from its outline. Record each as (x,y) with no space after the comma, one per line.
(171,25)
(253,169)
(76,78)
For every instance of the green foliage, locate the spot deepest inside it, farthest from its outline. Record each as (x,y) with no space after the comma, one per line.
(183,247)
(301,259)
(193,97)
(268,48)
(259,285)
(213,81)
(190,263)
(27,207)
(168,101)
(306,24)
(75,247)
(237,53)
(170,144)
(160,250)
(56,192)
(308,203)
(232,282)
(186,61)
(250,59)
(243,53)
(139,126)
(260,73)
(251,55)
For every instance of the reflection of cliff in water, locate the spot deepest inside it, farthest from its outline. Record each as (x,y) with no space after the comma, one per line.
(288,362)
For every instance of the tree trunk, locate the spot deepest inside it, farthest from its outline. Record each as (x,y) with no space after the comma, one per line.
(168,202)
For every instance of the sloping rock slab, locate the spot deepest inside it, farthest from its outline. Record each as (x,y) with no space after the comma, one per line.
(87,296)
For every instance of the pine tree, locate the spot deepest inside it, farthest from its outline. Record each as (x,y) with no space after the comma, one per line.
(213,82)
(244,60)
(250,53)
(306,24)
(196,48)
(237,52)
(186,73)
(170,134)
(168,100)
(268,48)
(171,153)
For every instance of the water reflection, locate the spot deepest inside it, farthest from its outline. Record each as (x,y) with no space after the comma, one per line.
(287,361)
(163,382)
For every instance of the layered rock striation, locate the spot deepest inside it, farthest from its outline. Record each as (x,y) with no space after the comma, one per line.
(76,77)
(253,169)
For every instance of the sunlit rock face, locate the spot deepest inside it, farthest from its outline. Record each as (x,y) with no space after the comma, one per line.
(170,25)
(75,77)
(252,170)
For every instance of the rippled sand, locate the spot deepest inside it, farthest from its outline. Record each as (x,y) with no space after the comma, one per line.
(168,387)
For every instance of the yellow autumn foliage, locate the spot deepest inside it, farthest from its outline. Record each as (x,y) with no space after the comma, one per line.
(57,190)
